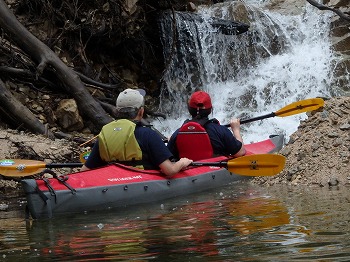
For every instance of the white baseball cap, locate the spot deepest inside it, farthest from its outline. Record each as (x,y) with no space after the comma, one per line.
(130,99)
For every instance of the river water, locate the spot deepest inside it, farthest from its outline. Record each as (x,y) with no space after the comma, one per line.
(241,222)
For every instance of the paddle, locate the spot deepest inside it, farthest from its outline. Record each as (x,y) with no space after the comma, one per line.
(252,165)
(23,167)
(298,107)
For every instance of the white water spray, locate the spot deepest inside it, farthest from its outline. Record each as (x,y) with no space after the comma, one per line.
(301,69)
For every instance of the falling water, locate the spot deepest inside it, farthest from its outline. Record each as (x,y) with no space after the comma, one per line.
(282,59)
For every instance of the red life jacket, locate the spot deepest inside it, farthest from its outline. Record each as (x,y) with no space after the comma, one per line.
(193,142)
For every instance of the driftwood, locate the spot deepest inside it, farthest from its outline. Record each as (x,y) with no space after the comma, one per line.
(21,113)
(46,58)
(323,7)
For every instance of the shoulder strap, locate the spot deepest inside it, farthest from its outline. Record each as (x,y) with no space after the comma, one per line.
(203,121)
(214,120)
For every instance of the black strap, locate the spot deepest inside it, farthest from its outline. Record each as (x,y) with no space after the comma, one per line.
(130,162)
(42,195)
(27,212)
(51,190)
(63,180)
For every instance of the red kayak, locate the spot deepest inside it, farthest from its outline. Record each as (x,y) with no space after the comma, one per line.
(117,185)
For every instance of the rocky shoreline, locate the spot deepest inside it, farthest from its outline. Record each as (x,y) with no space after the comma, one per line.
(318,153)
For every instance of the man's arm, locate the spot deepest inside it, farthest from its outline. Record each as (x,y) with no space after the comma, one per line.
(171,168)
(236,129)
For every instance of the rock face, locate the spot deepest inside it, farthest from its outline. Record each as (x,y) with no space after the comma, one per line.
(319,151)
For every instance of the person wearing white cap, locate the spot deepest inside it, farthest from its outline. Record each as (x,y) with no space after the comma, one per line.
(127,141)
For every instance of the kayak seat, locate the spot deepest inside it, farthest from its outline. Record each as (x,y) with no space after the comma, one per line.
(193,142)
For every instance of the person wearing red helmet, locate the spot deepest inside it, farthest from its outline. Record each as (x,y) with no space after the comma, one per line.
(201,137)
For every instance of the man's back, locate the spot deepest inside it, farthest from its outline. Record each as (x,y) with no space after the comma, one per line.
(152,146)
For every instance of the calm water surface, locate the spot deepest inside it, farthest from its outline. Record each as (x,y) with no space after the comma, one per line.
(241,222)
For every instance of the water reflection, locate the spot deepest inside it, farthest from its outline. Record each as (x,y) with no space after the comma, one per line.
(238,223)
(253,214)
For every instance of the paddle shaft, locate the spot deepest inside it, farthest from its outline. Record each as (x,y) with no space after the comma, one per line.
(298,107)
(59,165)
(255,119)
(218,164)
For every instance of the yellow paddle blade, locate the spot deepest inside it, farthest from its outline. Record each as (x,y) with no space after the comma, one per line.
(300,107)
(20,167)
(257,165)
(25,167)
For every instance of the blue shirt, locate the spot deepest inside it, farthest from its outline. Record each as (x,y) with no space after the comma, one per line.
(222,140)
(154,151)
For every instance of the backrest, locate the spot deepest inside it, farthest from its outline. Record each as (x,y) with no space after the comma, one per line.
(193,142)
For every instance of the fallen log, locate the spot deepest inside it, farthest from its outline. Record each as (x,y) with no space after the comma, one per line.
(20,113)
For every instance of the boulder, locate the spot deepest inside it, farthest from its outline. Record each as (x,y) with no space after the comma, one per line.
(67,114)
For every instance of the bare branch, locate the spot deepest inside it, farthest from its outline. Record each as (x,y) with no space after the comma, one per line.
(323,7)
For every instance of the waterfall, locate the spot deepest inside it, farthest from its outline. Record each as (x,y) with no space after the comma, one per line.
(282,59)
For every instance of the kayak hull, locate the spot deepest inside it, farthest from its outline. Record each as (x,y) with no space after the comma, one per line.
(116,186)
(119,195)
